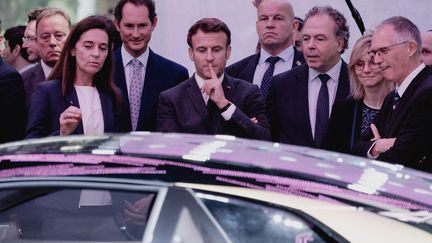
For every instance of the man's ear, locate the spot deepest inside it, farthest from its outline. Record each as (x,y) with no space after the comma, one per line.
(117,24)
(191,56)
(228,52)
(340,44)
(154,23)
(16,51)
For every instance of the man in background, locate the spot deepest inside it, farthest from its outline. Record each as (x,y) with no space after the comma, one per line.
(14,54)
(52,28)
(426,50)
(275,27)
(140,73)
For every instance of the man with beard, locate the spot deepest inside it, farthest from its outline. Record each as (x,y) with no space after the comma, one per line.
(300,100)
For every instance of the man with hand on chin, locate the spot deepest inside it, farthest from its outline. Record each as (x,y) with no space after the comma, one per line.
(211,102)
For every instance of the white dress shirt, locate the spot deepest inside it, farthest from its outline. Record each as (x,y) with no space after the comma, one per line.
(226,114)
(314,86)
(284,64)
(127,58)
(46,69)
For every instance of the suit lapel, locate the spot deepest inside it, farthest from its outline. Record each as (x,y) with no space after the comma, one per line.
(195,97)
(401,108)
(72,99)
(301,101)
(298,58)
(107,111)
(342,91)
(120,81)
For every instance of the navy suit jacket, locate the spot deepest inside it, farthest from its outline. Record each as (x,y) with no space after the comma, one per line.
(32,77)
(182,109)
(12,104)
(410,123)
(289,104)
(48,103)
(245,68)
(161,74)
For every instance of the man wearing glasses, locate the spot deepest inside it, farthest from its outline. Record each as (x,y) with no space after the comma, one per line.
(29,40)
(402,130)
(52,28)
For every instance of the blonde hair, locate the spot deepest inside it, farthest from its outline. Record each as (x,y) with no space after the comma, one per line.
(360,48)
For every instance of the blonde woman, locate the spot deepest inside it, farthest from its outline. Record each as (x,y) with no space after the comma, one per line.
(351,118)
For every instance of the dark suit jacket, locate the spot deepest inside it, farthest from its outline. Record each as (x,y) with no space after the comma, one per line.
(289,105)
(182,109)
(344,127)
(32,77)
(12,104)
(161,74)
(48,103)
(245,68)
(410,123)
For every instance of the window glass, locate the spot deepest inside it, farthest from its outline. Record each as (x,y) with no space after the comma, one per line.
(55,214)
(251,222)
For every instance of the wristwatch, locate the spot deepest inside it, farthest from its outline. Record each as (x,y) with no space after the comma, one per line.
(225,108)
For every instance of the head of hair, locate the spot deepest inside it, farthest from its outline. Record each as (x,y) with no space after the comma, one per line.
(33,14)
(405,29)
(150,4)
(209,25)
(48,12)
(65,69)
(341,27)
(360,48)
(300,23)
(14,37)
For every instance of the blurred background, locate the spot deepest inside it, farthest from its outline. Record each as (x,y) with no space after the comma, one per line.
(176,16)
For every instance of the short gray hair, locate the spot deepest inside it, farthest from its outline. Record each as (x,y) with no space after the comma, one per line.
(406,30)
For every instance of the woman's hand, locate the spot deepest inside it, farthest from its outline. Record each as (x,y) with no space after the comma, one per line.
(69,120)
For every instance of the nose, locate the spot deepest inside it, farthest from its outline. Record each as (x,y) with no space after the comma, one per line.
(96,52)
(209,56)
(135,32)
(269,23)
(52,41)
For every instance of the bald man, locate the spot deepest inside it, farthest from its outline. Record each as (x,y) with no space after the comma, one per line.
(275,26)
(426,51)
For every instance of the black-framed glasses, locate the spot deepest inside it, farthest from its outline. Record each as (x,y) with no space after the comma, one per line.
(384,50)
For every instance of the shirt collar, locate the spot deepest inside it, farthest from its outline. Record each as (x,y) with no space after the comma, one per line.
(334,72)
(200,81)
(407,81)
(126,57)
(285,55)
(46,69)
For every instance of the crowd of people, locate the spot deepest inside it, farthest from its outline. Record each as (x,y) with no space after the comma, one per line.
(59,79)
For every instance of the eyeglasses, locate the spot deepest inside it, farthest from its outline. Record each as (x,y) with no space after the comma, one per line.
(29,38)
(360,65)
(384,50)
(45,37)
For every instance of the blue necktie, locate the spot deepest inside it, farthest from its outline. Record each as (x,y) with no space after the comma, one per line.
(322,112)
(396,99)
(265,83)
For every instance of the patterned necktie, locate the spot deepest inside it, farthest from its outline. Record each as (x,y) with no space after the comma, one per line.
(322,112)
(135,91)
(265,83)
(396,99)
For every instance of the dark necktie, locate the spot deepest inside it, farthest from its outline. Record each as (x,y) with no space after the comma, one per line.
(322,112)
(396,99)
(265,83)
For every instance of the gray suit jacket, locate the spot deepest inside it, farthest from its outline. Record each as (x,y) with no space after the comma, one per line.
(32,77)
(182,109)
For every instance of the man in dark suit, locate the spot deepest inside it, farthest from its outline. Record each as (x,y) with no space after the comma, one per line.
(140,73)
(52,28)
(301,99)
(211,102)
(275,27)
(12,104)
(402,130)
